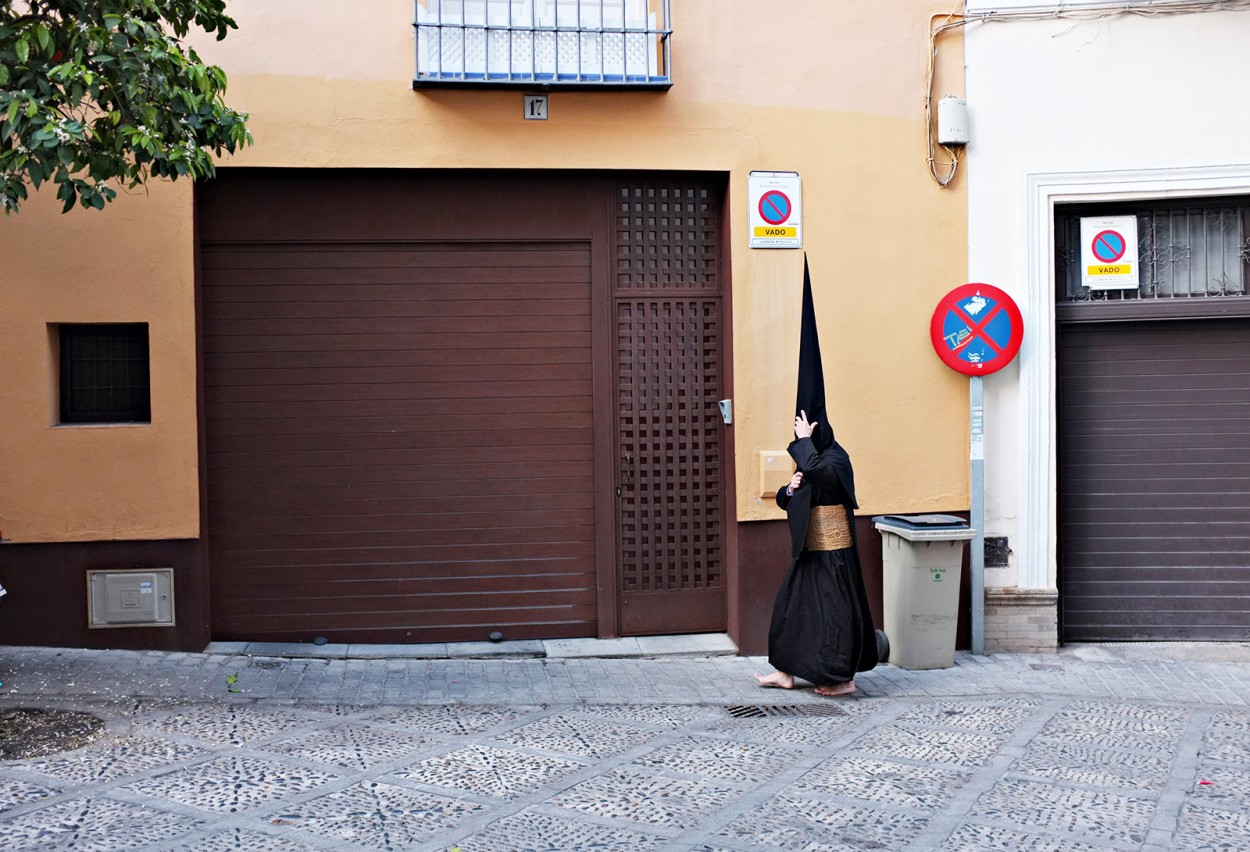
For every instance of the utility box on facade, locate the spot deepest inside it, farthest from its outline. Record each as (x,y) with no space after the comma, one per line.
(131,598)
(921,557)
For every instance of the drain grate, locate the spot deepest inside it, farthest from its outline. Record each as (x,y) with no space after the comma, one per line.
(760,711)
(268,664)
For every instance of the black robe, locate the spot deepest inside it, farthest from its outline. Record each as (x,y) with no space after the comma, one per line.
(821,627)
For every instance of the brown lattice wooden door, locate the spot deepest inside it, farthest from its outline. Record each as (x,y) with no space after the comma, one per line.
(667,315)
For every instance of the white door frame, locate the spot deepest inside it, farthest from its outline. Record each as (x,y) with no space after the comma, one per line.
(1037,544)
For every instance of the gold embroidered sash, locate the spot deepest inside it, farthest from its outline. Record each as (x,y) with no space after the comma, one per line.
(828,529)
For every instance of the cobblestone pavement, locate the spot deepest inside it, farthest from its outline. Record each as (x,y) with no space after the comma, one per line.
(1093,748)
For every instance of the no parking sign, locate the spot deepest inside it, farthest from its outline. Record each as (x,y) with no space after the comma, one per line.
(976,329)
(776,208)
(1109,253)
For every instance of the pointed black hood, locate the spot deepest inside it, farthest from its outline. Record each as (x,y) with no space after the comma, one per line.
(811,395)
(811,391)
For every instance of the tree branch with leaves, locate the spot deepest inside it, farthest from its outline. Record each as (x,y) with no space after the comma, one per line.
(97,93)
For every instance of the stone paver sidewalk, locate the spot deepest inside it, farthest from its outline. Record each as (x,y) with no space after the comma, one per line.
(1096,747)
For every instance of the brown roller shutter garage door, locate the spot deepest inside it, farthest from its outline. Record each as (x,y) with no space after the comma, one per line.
(398,431)
(1155,480)
(398,439)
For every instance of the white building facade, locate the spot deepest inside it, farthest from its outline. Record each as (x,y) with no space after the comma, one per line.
(1117,459)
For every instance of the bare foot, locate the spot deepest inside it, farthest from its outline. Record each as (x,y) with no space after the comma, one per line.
(835,689)
(780,680)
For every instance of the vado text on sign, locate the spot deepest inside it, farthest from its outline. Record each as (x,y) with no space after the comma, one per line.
(1109,253)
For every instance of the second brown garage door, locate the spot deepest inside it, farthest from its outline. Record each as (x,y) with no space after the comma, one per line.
(399,440)
(1155,480)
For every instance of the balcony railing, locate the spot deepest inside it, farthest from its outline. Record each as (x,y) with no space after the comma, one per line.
(546,44)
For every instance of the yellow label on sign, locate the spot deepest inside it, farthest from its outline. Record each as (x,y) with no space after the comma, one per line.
(777,231)
(1110,269)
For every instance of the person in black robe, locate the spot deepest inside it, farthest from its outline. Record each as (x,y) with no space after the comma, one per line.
(821,628)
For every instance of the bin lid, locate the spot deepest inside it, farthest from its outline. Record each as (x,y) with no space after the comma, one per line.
(925,527)
(922,522)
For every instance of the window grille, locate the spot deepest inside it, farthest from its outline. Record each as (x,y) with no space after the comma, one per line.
(105,373)
(1193,248)
(543,43)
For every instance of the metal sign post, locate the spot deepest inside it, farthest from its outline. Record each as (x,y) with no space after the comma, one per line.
(976,455)
(975,330)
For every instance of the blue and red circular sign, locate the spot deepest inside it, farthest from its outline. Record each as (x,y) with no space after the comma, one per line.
(1108,246)
(775,207)
(976,329)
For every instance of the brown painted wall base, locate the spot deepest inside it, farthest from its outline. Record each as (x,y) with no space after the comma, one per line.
(46,602)
(764,548)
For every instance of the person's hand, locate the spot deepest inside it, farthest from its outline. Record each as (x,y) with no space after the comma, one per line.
(795,482)
(803,429)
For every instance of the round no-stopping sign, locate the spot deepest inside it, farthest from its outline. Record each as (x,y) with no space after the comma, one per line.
(976,329)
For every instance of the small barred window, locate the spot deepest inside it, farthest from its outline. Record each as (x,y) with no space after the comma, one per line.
(105,373)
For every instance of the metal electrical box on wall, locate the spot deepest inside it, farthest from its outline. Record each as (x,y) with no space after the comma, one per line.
(952,123)
(131,598)
(776,468)
(776,210)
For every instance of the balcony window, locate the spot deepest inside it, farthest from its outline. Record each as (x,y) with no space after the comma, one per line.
(548,44)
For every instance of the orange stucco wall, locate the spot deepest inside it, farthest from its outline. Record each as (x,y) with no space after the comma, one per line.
(831,90)
(132,264)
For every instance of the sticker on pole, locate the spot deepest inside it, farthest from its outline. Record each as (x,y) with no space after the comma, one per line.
(976,329)
(1109,253)
(776,207)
